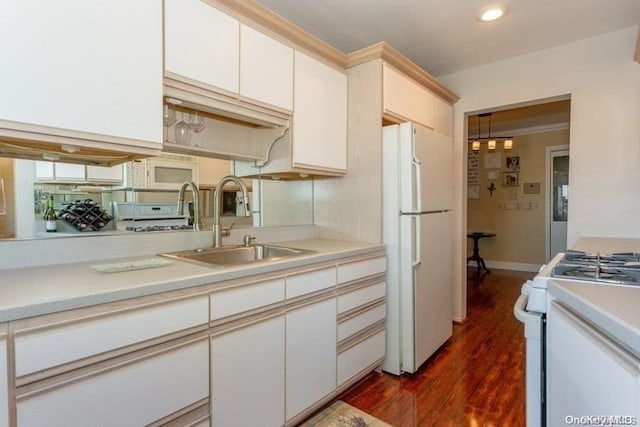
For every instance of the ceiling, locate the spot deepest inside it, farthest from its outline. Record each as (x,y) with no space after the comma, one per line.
(527,119)
(444,36)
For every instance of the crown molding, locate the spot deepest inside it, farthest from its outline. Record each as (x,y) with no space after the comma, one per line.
(384,51)
(268,19)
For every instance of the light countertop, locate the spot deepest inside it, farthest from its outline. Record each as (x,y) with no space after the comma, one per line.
(613,309)
(32,291)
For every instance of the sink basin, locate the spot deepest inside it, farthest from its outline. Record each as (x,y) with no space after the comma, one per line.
(237,255)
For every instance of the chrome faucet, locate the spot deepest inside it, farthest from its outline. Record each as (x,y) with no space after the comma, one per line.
(217,201)
(196,202)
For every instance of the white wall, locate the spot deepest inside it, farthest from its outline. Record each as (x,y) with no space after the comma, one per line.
(604,84)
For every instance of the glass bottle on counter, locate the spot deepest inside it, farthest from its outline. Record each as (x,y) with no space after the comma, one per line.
(50,217)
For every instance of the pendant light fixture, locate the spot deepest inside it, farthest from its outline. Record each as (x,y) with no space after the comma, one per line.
(491,141)
(475,145)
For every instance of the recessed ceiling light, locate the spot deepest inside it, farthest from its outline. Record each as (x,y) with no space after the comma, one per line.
(491,13)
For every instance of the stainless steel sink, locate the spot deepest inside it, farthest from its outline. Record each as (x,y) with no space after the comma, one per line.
(237,255)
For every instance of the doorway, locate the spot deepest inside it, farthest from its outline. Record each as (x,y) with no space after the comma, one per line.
(509,188)
(556,199)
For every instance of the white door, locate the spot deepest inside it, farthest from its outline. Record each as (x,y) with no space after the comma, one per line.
(433,285)
(247,371)
(426,168)
(558,199)
(311,337)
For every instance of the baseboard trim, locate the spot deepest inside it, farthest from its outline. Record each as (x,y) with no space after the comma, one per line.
(534,268)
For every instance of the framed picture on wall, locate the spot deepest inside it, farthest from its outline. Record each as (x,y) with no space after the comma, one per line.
(510,179)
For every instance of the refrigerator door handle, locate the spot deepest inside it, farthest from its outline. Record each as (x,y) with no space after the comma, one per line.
(418,181)
(417,253)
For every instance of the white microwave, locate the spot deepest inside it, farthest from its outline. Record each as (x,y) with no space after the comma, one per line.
(159,173)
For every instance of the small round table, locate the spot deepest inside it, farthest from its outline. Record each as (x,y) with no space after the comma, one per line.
(476,236)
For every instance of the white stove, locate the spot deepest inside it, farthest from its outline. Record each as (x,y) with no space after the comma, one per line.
(149,217)
(616,269)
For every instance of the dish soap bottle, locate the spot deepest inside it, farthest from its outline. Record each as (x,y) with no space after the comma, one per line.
(50,217)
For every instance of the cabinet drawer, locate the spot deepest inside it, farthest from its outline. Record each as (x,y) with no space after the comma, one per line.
(313,281)
(359,357)
(361,296)
(359,269)
(133,394)
(40,349)
(4,398)
(361,321)
(233,301)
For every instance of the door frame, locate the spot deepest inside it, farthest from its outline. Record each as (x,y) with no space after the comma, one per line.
(547,196)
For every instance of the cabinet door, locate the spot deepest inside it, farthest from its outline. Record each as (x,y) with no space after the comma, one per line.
(69,172)
(105,174)
(266,69)
(4,398)
(202,43)
(212,170)
(311,355)
(587,374)
(320,115)
(86,66)
(406,100)
(442,117)
(247,375)
(133,394)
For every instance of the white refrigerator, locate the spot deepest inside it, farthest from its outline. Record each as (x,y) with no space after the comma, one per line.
(417,231)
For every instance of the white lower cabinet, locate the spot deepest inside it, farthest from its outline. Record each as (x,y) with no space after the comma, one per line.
(134,393)
(360,356)
(4,387)
(587,373)
(247,375)
(310,355)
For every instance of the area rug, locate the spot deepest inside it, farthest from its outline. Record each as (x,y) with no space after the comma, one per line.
(341,414)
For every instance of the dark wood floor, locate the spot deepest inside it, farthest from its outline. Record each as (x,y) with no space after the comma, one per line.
(476,379)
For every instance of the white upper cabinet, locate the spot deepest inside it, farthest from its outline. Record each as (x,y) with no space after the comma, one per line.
(266,69)
(320,115)
(442,117)
(92,67)
(202,44)
(405,100)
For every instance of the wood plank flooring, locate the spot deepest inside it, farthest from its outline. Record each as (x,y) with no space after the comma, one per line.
(476,379)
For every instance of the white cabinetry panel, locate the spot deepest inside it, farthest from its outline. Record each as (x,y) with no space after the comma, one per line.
(202,43)
(4,398)
(359,357)
(320,115)
(405,99)
(105,174)
(311,355)
(361,296)
(39,350)
(442,117)
(361,321)
(134,394)
(360,269)
(266,69)
(234,301)
(87,66)
(313,281)
(247,375)
(587,373)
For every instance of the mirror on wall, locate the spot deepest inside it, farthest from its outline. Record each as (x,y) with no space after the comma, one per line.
(25,185)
